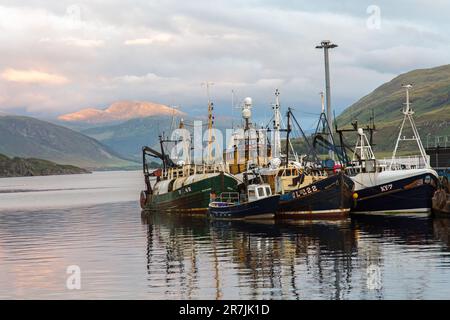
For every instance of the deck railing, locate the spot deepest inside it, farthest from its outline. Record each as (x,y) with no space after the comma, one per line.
(232,197)
(190,169)
(405,162)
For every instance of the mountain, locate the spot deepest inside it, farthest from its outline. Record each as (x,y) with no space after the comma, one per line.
(120,111)
(28,137)
(430,98)
(21,167)
(127,138)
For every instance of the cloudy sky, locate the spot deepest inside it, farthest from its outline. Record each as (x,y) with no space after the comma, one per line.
(60,56)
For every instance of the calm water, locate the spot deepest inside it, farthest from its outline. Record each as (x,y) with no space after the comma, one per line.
(94,222)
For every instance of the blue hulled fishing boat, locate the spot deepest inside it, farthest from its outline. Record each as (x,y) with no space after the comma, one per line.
(258,203)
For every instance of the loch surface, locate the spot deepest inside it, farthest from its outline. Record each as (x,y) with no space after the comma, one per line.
(93,222)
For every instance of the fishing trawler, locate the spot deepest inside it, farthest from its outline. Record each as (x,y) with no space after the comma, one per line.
(396,186)
(306,189)
(247,145)
(185,186)
(254,199)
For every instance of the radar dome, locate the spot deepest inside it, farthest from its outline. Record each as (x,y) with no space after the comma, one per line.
(246,113)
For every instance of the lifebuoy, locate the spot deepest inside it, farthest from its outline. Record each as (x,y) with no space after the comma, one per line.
(143,200)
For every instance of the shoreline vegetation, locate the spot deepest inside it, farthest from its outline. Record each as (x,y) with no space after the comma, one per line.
(25,167)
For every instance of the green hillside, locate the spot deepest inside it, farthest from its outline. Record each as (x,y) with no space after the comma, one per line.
(430,98)
(27,137)
(20,167)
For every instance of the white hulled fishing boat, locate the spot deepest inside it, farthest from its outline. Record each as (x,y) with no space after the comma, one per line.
(400,185)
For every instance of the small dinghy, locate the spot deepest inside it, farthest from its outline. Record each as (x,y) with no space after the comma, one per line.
(258,203)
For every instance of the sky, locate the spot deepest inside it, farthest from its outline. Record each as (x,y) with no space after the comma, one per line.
(61,56)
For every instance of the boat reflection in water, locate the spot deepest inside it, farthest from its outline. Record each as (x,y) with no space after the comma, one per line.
(360,258)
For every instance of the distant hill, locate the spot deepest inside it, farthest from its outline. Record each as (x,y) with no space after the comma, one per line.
(20,167)
(32,138)
(430,97)
(127,138)
(120,111)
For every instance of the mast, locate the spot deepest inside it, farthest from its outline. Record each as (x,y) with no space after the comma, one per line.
(408,113)
(363,147)
(210,121)
(247,142)
(288,131)
(257,147)
(186,144)
(246,114)
(174,108)
(161,144)
(276,126)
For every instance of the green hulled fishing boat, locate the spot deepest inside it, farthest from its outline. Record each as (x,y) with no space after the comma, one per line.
(185,189)
(185,186)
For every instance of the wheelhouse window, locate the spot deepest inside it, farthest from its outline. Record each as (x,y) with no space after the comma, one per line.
(261,192)
(371,166)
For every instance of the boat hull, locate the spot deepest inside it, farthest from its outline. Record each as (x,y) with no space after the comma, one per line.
(259,209)
(327,198)
(193,198)
(409,196)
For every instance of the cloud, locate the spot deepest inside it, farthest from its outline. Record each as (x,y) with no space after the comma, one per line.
(161,52)
(272,83)
(133,79)
(161,38)
(33,76)
(77,42)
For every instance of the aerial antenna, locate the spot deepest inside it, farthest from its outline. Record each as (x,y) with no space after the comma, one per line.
(208,84)
(173,125)
(276,126)
(407,109)
(246,114)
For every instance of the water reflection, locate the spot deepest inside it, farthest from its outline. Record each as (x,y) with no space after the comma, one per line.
(353,258)
(401,230)
(265,256)
(125,255)
(441,231)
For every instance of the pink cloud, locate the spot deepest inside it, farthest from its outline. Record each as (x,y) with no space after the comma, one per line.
(33,76)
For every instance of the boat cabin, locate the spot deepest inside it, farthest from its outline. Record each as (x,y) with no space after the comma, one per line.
(290,178)
(258,191)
